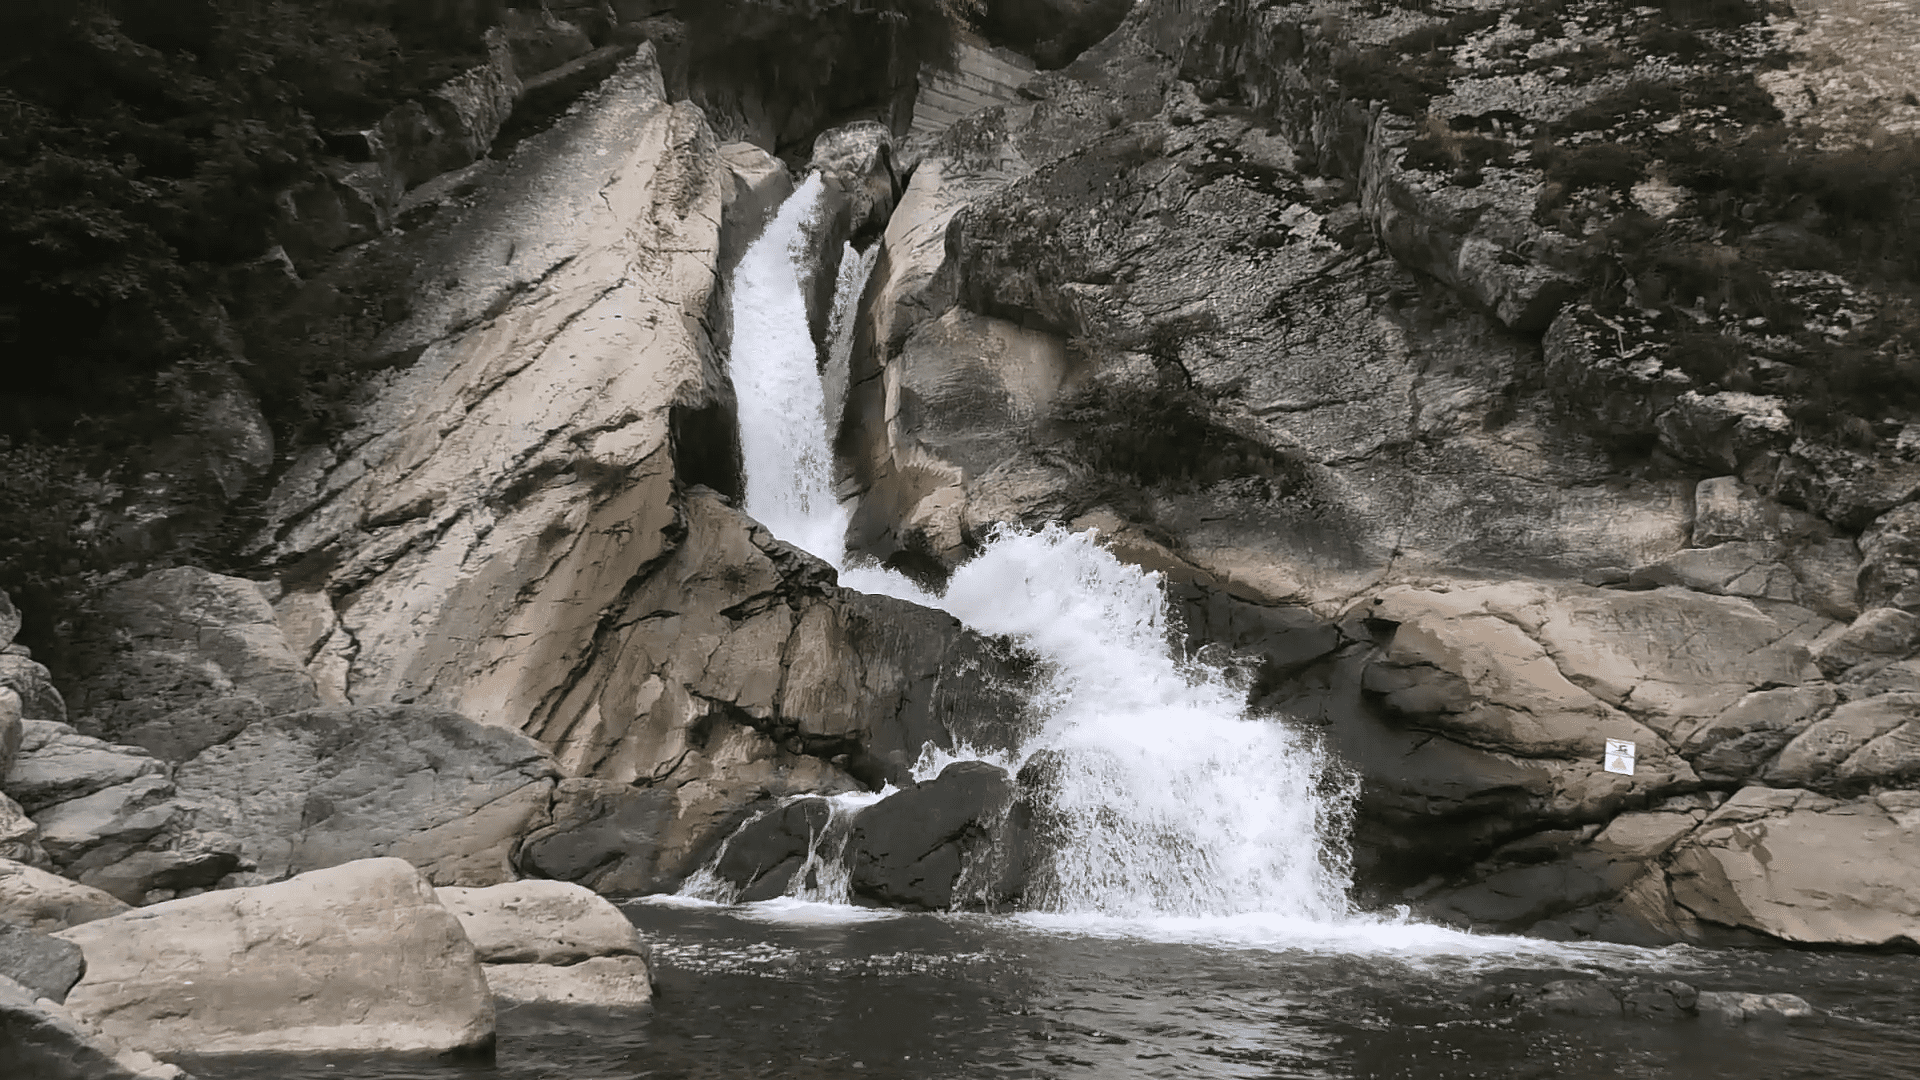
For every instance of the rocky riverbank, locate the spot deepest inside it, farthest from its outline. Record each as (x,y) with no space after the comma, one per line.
(1489,384)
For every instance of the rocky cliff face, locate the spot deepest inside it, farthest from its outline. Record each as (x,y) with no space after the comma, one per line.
(1381,335)
(1473,375)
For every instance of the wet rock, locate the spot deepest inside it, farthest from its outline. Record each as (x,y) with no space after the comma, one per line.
(46,902)
(1802,867)
(181,659)
(910,848)
(856,163)
(1732,1007)
(760,185)
(45,965)
(45,1041)
(540,922)
(289,968)
(327,786)
(761,859)
(56,764)
(1518,897)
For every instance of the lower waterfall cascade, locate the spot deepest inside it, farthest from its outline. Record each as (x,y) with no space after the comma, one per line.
(1166,798)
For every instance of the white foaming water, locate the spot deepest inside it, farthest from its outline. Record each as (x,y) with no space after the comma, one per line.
(783,420)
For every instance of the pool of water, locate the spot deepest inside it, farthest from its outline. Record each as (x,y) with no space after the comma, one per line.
(820,993)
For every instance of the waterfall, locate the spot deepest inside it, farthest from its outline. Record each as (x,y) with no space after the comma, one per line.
(1161,796)
(783,418)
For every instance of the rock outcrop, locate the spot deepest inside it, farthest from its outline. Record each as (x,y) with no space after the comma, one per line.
(529,525)
(315,789)
(1340,324)
(554,942)
(360,957)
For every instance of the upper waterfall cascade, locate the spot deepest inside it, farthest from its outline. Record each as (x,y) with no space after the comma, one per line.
(1165,797)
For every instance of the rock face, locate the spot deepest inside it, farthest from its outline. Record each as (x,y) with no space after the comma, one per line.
(46,1042)
(910,849)
(762,858)
(1801,867)
(112,817)
(529,525)
(553,941)
(360,957)
(328,786)
(1448,458)
(181,659)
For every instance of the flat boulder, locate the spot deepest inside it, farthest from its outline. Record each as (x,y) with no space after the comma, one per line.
(328,786)
(607,982)
(553,941)
(1806,868)
(355,958)
(541,922)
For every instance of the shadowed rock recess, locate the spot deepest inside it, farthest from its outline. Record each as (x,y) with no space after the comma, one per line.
(1488,382)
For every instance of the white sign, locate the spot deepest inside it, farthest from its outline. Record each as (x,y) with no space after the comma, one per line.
(1619,757)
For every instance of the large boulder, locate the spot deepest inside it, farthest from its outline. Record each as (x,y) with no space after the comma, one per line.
(553,941)
(540,922)
(47,902)
(327,786)
(360,957)
(1805,868)
(911,848)
(181,659)
(45,1041)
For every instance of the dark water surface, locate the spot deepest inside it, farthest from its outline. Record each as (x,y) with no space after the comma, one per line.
(818,994)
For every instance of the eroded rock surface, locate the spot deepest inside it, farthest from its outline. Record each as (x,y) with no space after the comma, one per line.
(553,941)
(315,789)
(359,957)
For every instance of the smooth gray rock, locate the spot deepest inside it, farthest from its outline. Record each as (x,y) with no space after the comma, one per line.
(45,965)
(358,957)
(183,658)
(327,786)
